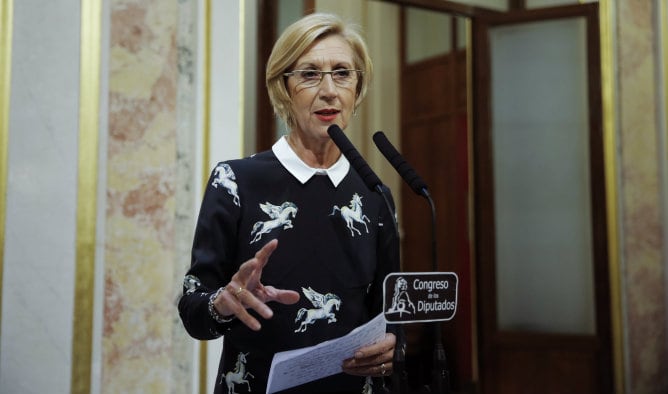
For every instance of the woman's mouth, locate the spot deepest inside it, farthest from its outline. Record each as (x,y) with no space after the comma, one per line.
(327,115)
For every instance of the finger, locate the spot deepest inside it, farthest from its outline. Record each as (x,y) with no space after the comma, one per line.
(381,369)
(262,255)
(383,346)
(373,355)
(231,305)
(245,272)
(246,318)
(279,295)
(385,369)
(249,273)
(260,259)
(236,298)
(365,362)
(249,300)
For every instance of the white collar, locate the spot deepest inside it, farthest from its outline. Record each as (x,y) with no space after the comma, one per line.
(303,172)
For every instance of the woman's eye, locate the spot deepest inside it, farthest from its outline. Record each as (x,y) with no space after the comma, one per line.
(310,74)
(341,73)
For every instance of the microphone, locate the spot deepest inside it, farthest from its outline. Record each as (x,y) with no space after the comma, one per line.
(399,163)
(355,158)
(440,375)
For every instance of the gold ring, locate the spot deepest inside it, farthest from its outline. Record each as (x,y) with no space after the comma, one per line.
(239,291)
(382,369)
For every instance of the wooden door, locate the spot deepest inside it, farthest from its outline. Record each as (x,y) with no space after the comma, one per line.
(435,140)
(540,207)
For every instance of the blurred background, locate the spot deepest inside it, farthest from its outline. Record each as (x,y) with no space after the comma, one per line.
(539,125)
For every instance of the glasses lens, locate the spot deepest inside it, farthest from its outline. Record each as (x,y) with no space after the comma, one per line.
(342,76)
(308,77)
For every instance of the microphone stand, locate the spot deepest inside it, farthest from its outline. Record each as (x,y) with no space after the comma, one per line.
(399,376)
(440,376)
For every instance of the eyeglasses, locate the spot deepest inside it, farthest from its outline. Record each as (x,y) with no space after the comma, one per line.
(311,78)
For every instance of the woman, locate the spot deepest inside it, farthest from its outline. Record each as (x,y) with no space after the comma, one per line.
(295,228)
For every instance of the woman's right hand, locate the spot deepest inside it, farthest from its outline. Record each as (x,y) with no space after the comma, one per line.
(246,291)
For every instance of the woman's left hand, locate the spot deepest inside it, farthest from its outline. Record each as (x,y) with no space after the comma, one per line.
(372,360)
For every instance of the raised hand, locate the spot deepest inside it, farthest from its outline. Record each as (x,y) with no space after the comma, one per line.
(246,291)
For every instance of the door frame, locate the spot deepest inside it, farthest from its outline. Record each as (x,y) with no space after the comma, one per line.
(490,338)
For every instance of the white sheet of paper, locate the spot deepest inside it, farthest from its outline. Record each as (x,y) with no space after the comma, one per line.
(299,366)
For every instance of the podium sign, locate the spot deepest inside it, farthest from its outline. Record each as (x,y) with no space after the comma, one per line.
(410,297)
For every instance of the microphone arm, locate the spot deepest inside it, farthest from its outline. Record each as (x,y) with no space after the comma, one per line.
(440,376)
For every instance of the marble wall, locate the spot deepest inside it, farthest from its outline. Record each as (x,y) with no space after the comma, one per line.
(644,265)
(149,195)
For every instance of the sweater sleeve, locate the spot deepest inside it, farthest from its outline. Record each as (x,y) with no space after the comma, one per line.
(213,254)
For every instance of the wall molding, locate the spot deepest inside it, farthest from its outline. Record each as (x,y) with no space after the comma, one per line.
(89,96)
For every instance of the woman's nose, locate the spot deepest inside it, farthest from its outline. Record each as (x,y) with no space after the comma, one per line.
(327,86)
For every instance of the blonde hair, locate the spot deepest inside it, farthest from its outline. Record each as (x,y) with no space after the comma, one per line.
(295,40)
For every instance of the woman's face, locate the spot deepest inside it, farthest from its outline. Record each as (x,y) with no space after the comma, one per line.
(317,107)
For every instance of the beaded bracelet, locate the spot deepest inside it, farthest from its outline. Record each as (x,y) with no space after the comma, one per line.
(214,313)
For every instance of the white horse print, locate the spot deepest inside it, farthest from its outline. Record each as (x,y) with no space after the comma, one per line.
(224,176)
(353,213)
(191,283)
(280,216)
(323,304)
(237,376)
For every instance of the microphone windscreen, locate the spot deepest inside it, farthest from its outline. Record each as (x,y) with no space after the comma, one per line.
(354,157)
(399,163)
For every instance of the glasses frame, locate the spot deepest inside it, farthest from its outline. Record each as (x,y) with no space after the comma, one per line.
(322,75)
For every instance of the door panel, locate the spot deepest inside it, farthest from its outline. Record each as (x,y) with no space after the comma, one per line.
(540,159)
(541,243)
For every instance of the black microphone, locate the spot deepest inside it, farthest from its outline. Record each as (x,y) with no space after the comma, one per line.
(356,160)
(440,375)
(399,163)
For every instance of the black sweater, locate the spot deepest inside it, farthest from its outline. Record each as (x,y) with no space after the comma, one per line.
(339,264)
